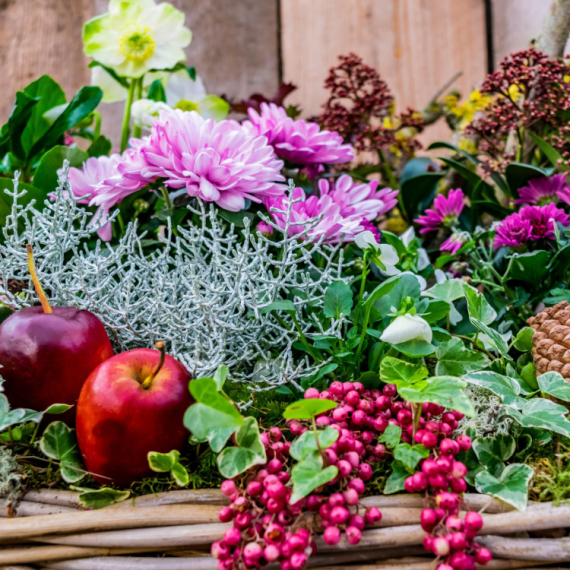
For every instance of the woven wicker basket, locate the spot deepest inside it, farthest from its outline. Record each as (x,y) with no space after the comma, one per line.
(174,531)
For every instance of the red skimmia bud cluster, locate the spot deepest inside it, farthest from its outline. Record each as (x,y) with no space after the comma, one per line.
(360,108)
(268,528)
(531,92)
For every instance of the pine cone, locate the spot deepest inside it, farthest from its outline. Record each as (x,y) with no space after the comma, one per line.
(551,340)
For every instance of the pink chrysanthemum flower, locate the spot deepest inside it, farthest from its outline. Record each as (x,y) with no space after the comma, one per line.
(218,162)
(373,229)
(453,243)
(333,225)
(359,198)
(513,231)
(297,141)
(446,210)
(542,220)
(542,191)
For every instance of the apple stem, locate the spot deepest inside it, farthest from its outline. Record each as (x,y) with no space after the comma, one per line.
(148,381)
(37,285)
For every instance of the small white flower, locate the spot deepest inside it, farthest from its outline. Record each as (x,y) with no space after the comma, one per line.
(423,259)
(382,254)
(144,111)
(440,276)
(407,327)
(408,236)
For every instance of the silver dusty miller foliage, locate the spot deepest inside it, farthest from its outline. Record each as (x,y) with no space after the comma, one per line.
(205,291)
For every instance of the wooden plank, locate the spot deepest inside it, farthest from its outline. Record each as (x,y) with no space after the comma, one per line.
(235,47)
(515,24)
(416,45)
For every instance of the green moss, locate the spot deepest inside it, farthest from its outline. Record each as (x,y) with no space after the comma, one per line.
(551,464)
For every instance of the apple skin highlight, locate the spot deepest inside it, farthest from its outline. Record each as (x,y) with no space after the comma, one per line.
(46,357)
(119,421)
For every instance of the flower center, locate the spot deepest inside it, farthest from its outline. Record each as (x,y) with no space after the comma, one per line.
(545,200)
(450,220)
(185,105)
(136,44)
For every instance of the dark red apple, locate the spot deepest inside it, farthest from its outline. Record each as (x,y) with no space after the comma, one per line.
(132,404)
(47,353)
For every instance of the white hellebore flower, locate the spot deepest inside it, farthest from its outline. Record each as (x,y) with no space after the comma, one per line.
(407,327)
(384,253)
(144,111)
(407,238)
(136,36)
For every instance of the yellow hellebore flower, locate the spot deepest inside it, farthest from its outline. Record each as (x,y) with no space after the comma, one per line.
(136,36)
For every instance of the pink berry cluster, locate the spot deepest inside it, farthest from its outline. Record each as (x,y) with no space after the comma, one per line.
(449,536)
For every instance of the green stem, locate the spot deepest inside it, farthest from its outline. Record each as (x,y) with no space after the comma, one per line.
(127,116)
(166,198)
(362,285)
(316,432)
(138,95)
(304,339)
(475,345)
(362,337)
(97,129)
(387,170)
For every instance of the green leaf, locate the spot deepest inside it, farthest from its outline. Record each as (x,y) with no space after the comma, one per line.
(395,481)
(445,391)
(530,267)
(84,102)
(415,348)
(101,146)
(401,373)
(477,306)
(506,388)
(447,291)
(495,338)
(492,452)
(163,462)
(553,383)
(511,486)
(519,174)
(543,414)
(180,475)
(213,417)
(391,436)
(156,91)
(307,409)
(11,132)
(523,340)
(417,191)
(9,418)
(249,451)
(309,474)
(220,376)
(528,375)
(454,359)
(103,497)
(557,295)
(306,443)
(436,310)
(410,455)
(32,193)
(45,176)
(321,373)
(59,442)
(550,152)
(236,218)
(279,305)
(49,94)
(408,286)
(338,300)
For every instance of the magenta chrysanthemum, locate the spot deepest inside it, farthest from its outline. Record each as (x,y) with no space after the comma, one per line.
(542,220)
(446,210)
(333,224)
(373,229)
(358,198)
(297,141)
(541,191)
(218,162)
(453,243)
(513,231)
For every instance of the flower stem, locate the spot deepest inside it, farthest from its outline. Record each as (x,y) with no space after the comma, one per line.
(127,116)
(97,129)
(138,95)
(37,285)
(166,198)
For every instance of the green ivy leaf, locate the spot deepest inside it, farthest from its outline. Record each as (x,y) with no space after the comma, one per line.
(436,310)
(447,291)
(309,474)
(553,383)
(391,436)
(477,306)
(220,376)
(163,462)
(492,452)
(410,455)
(395,481)
(213,417)
(307,409)
(59,442)
(544,414)
(338,300)
(511,486)
(415,348)
(506,388)
(385,298)
(530,267)
(10,418)
(401,373)
(454,359)
(249,451)
(103,497)
(306,443)
(442,390)
(495,339)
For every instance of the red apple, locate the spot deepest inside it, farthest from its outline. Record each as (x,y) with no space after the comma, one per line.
(132,404)
(47,353)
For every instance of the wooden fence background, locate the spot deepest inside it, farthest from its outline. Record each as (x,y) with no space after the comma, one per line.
(245,46)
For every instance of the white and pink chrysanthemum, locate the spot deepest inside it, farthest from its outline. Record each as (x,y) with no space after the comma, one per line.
(298,141)
(360,199)
(332,225)
(218,162)
(446,211)
(542,191)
